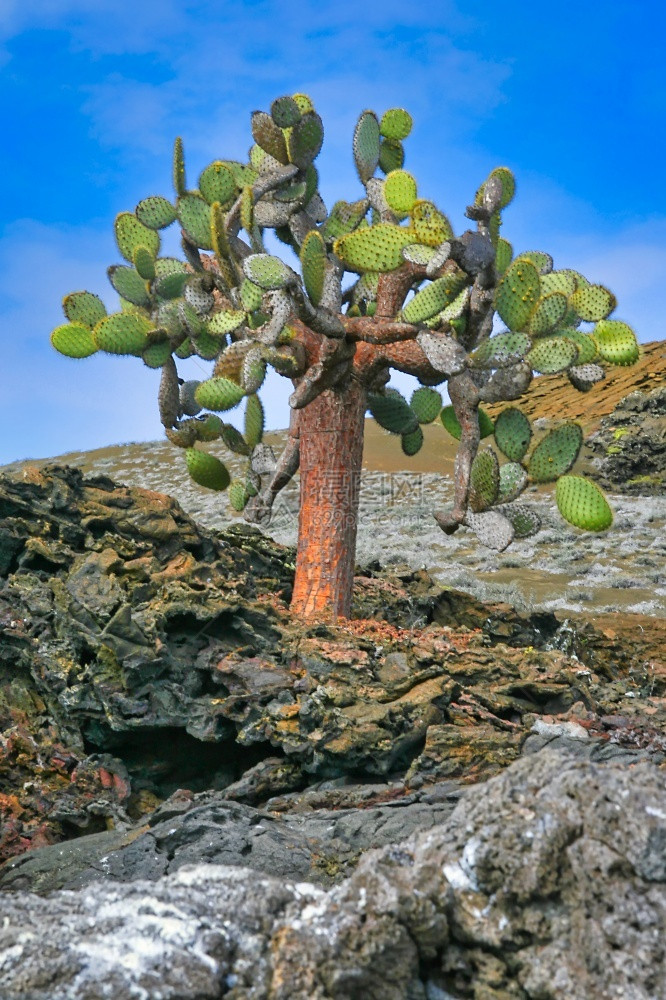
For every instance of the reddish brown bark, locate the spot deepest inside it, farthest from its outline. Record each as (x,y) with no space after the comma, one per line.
(331,452)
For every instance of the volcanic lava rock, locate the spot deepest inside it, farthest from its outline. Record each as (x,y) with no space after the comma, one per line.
(141,654)
(629,448)
(547,881)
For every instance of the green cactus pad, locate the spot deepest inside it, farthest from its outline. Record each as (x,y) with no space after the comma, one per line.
(558,281)
(484,481)
(209,428)
(313,265)
(269,136)
(413,442)
(343,218)
(429,225)
(131,233)
(254,421)
(583,504)
(503,349)
(376,248)
(503,255)
(512,481)
(587,348)
(171,285)
(170,265)
(391,155)
(365,145)
(400,192)
(267,272)
(548,312)
(226,321)
(593,302)
(191,318)
(285,112)
(616,342)
(144,263)
(83,308)
(179,184)
(434,297)
(251,295)
(311,182)
(128,283)
(555,453)
(583,377)
(219,393)
(122,333)
(185,349)
(157,354)
(542,261)
(518,293)
(206,346)
(392,412)
(237,494)
(74,340)
(292,191)
(155,212)
(234,440)
(257,156)
(396,123)
(552,354)
(305,140)
(217,183)
(426,404)
(206,470)
(513,433)
(195,218)
(451,424)
(455,310)
(524,519)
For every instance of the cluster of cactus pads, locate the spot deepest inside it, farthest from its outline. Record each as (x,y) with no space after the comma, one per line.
(231,303)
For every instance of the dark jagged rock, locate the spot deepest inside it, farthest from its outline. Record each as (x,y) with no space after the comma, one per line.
(317,845)
(629,448)
(547,881)
(141,654)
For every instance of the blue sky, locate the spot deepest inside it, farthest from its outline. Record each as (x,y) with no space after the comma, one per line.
(571,96)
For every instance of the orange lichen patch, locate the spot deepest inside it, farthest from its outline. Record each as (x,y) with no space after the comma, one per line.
(337,653)
(10,805)
(180,565)
(377,630)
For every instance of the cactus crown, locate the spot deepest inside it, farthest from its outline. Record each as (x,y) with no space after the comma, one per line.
(232,303)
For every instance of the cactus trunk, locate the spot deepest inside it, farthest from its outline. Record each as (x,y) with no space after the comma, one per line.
(331,453)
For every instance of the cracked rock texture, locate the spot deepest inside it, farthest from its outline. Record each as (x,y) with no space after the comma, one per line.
(547,881)
(629,448)
(161,709)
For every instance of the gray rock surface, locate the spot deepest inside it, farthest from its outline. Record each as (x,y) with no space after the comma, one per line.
(630,446)
(548,881)
(319,845)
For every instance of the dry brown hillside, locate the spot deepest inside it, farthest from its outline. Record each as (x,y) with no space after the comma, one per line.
(553,397)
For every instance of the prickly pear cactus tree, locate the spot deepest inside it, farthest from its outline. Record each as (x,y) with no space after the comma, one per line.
(423,300)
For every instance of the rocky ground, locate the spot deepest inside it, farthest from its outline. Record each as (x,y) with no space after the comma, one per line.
(451,795)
